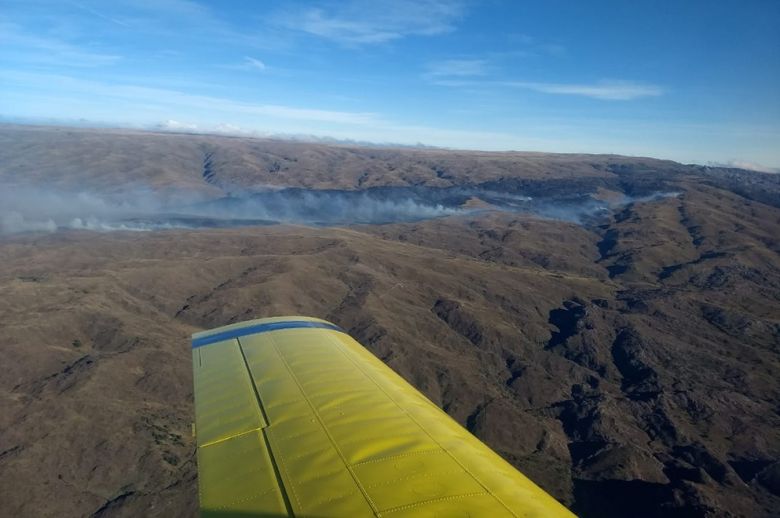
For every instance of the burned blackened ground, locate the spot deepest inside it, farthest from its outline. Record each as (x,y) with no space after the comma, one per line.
(30,209)
(382,205)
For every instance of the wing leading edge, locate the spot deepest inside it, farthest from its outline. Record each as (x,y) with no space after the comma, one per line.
(295,418)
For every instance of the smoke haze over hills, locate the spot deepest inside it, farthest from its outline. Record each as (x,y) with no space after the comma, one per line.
(42,210)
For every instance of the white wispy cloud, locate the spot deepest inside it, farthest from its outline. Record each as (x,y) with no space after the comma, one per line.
(607,90)
(356,22)
(174,125)
(612,91)
(182,10)
(525,45)
(254,63)
(456,68)
(16,44)
(101,15)
(177,101)
(552,49)
(195,22)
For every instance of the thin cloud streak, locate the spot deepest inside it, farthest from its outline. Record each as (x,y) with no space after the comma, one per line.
(254,63)
(360,23)
(456,68)
(99,14)
(248,64)
(175,99)
(611,91)
(18,45)
(607,91)
(195,22)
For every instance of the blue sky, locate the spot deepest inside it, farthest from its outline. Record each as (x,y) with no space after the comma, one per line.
(695,81)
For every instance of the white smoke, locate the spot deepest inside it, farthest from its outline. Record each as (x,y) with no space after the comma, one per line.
(747,165)
(24,210)
(42,210)
(27,209)
(13,222)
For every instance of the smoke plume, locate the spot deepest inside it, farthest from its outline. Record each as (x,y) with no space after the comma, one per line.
(45,210)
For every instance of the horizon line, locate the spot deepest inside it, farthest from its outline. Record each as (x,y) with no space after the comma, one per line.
(326,140)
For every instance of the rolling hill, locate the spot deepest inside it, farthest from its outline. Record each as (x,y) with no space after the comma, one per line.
(626,359)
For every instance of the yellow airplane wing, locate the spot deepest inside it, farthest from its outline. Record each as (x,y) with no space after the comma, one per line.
(295,418)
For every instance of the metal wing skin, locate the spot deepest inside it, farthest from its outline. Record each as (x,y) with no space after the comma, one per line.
(295,418)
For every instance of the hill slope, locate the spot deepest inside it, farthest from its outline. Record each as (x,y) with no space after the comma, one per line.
(629,366)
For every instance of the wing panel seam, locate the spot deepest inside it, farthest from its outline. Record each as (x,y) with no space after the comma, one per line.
(438,449)
(274,465)
(223,439)
(245,499)
(434,500)
(341,348)
(355,479)
(287,474)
